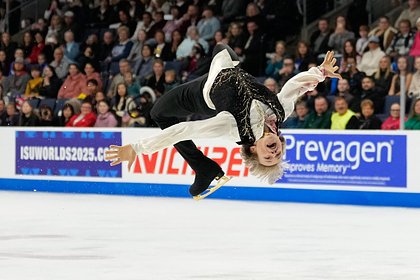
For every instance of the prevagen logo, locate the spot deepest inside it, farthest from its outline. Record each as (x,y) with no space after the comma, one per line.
(362,159)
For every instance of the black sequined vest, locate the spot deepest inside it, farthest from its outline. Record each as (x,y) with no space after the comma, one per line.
(233,90)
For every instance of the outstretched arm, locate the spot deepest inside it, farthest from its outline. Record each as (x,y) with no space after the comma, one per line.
(307,81)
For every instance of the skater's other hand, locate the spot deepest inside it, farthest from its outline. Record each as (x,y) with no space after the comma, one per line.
(329,65)
(118,154)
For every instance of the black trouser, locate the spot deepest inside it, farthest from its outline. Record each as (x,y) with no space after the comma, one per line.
(174,106)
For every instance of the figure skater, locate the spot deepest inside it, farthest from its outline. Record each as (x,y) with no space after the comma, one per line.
(239,109)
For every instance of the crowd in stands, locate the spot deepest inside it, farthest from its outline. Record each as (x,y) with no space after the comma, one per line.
(105,63)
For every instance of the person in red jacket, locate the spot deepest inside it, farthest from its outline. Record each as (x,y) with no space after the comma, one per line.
(86,118)
(37,48)
(74,84)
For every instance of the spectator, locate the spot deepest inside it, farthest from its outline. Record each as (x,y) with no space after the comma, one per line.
(69,110)
(343,90)
(60,64)
(99,96)
(254,62)
(158,23)
(349,50)
(415,49)
(144,68)
(321,116)
(71,48)
(253,13)
(119,78)
(403,41)
(236,38)
(56,29)
(27,43)
(50,83)
(133,87)
(105,47)
(414,89)
(340,35)
(176,41)
(54,9)
(33,86)
(135,52)
(15,84)
(193,37)
(170,80)
(146,24)
(383,75)
(320,38)
(162,49)
(27,115)
(369,91)
(196,64)
(190,18)
(42,61)
(393,121)
(18,55)
(368,120)
(7,46)
(121,101)
(276,61)
(87,57)
(157,80)
(74,84)
(298,120)
(92,73)
(271,84)
(304,56)
(352,74)
(286,72)
(86,118)
(51,43)
(120,50)
(230,9)
(362,42)
(105,118)
(46,116)
(127,21)
(385,32)
(343,117)
(208,25)
(90,91)
(103,15)
(4,64)
(172,24)
(12,116)
(370,59)
(412,13)
(402,66)
(413,121)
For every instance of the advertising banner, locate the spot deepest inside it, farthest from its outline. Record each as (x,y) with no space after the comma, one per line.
(65,153)
(345,159)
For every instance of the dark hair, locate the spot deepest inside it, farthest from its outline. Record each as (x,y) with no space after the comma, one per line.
(353,52)
(92,81)
(75,65)
(52,69)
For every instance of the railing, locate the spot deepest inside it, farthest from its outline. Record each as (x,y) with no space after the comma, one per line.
(28,8)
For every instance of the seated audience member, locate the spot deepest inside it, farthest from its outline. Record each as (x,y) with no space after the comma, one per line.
(86,118)
(88,56)
(403,41)
(70,48)
(383,75)
(15,85)
(157,80)
(303,57)
(393,121)
(415,49)
(368,119)
(27,115)
(170,80)
(27,43)
(74,84)
(320,38)
(11,118)
(352,74)
(402,66)
(321,116)
(133,87)
(144,68)
(50,83)
(343,90)
(286,72)
(276,61)
(208,25)
(349,50)
(33,86)
(370,59)
(46,116)
(192,37)
(36,48)
(90,90)
(254,57)
(343,117)
(369,91)
(195,64)
(385,32)
(172,24)
(60,64)
(145,24)
(124,66)
(340,35)
(91,73)
(99,96)
(18,55)
(69,109)
(414,89)
(121,49)
(135,52)
(105,117)
(362,41)
(105,49)
(413,121)
(121,101)
(271,84)
(298,121)
(236,38)
(412,13)
(162,49)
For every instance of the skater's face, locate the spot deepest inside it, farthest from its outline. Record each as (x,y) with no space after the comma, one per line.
(268,149)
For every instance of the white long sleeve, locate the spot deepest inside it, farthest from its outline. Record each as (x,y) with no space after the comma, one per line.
(222,125)
(297,86)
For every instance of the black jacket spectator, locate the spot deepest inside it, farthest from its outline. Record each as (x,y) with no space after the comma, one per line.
(254,62)
(31,120)
(373,122)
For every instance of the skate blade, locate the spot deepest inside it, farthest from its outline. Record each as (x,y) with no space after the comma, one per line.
(211,190)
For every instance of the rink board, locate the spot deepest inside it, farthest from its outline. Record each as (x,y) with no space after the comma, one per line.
(344,167)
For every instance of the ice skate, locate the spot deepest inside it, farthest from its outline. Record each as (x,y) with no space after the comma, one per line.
(220,182)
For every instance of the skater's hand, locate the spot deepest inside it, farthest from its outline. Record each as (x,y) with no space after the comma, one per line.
(118,154)
(328,65)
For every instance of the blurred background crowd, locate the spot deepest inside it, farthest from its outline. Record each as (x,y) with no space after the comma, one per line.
(104,63)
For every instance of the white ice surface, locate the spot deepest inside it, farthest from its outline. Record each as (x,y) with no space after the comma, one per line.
(60,237)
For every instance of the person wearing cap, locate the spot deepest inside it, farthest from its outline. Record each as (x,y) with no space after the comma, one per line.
(370,59)
(15,84)
(34,84)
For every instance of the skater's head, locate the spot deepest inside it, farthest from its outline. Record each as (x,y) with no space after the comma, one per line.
(264,158)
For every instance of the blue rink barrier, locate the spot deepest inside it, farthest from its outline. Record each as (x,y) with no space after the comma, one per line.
(368,198)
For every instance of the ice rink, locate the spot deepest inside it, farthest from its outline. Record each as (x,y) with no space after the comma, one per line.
(62,236)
